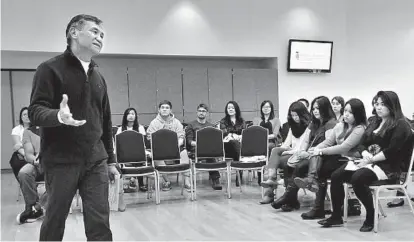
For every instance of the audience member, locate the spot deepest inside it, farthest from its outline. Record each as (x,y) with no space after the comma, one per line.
(130,122)
(386,146)
(328,155)
(298,118)
(17,161)
(191,130)
(232,125)
(28,175)
(166,120)
(323,121)
(338,105)
(268,121)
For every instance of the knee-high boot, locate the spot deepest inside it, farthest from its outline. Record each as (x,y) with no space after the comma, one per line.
(269,196)
(310,182)
(318,210)
(289,200)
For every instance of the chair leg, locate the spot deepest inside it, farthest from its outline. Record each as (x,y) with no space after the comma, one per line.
(195,183)
(261,180)
(192,188)
(157,184)
(345,217)
(229,182)
(157,188)
(376,194)
(178,177)
(408,199)
(182,187)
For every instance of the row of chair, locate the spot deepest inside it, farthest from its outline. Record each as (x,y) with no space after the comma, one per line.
(130,146)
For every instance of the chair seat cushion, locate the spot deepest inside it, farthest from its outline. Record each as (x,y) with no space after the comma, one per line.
(215,165)
(173,168)
(247,165)
(137,170)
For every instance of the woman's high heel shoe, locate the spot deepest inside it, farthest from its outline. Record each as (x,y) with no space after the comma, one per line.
(394,204)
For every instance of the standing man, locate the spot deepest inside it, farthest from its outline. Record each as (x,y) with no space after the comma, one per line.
(69,101)
(191,130)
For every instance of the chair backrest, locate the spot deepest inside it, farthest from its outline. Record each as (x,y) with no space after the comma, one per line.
(210,144)
(130,147)
(254,141)
(164,145)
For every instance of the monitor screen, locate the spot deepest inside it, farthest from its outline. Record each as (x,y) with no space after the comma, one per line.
(310,56)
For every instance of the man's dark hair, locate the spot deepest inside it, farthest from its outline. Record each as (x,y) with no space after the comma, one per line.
(165,102)
(78,22)
(202,105)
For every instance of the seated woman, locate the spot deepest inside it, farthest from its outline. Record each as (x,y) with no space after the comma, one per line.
(268,121)
(298,118)
(28,175)
(387,144)
(232,126)
(323,121)
(343,141)
(130,122)
(338,105)
(17,160)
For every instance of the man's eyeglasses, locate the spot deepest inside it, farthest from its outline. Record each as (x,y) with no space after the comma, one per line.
(202,111)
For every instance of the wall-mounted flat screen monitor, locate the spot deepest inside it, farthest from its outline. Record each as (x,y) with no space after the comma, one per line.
(310,56)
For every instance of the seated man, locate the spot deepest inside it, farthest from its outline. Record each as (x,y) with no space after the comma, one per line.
(166,120)
(193,126)
(28,175)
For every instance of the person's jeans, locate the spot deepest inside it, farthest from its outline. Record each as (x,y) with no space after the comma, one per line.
(62,181)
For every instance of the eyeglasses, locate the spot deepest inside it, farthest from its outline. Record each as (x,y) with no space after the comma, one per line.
(202,111)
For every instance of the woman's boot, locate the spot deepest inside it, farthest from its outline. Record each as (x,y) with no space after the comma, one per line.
(289,197)
(269,196)
(272,180)
(318,210)
(310,182)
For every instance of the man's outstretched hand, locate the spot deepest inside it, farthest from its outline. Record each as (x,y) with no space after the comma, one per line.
(66,115)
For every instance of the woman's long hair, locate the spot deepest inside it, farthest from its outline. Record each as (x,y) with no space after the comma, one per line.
(125,120)
(304,116)
(392,102)
(325,111)
(360,116)
(272,110)
(239,118)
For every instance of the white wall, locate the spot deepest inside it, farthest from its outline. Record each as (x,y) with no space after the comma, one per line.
(380,44)
(371,38)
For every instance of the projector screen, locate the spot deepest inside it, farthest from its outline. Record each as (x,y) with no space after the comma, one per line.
(310,55)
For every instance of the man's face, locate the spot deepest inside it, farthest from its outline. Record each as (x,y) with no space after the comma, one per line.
(201,113)
(164,110)
(90,37)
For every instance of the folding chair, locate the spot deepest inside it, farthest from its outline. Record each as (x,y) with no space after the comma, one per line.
(254,142)
(210,144)
(130,148)
(402,187)
(376,188)
(164,146)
